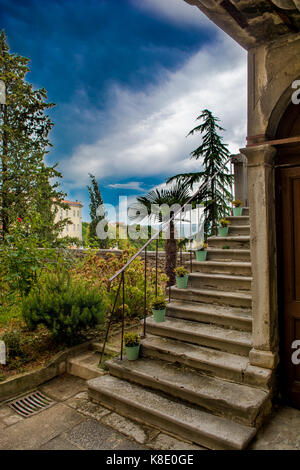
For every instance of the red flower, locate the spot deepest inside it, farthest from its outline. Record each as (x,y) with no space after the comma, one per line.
(19,219)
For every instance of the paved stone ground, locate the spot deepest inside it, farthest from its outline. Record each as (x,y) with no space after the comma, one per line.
(75,423)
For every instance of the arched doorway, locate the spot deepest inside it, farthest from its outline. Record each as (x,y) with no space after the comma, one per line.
(287,163)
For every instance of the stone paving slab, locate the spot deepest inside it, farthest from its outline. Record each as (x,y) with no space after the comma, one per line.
(82,404)
(35,431)
(92,435)
(58,443)
(140,434)
(166,442)
(63,387)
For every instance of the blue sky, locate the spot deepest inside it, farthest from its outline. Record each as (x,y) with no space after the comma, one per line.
(129,77)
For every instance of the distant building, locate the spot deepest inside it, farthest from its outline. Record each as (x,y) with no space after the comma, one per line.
(74,214)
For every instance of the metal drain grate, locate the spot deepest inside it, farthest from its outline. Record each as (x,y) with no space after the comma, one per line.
(31,404)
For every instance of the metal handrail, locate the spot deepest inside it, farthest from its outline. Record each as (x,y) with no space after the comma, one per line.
(144,248)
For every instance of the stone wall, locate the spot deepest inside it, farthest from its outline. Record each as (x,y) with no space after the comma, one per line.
(106,254)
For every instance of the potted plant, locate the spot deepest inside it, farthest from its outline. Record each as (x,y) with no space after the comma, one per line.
(237,207)
(223,227)
(132,346)
(159,309)
(201,252)
(181,277)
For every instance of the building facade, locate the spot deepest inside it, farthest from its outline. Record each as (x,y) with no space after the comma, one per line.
(74,214)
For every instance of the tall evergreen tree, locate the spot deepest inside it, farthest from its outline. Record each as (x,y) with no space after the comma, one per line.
(216,195)
(24,131)
(95,202)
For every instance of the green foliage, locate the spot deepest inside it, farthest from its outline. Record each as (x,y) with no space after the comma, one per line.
(98,270)
(159,303)
(224,222)
(64,306)
(13,342)
(24,255)
(181,271)
(95,202)
(213,153)
(131,339)
(24,142)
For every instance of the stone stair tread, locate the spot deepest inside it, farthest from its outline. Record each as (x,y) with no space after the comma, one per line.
(241,238)
(190,385)
(233,366)
(211,309)
(204,330)
(214,293)
(220,276)
(212,431)
(199,353)
(229,250)
(234,264)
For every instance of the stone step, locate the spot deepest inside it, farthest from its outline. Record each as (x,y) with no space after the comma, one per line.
(220,254)
(241,230)
(212,336)
(85,366)
(170,415)
(212,296)
(237,268)
(240,403)
(226,282)
(230,317)
(209,361)
(235,242)
(238,220)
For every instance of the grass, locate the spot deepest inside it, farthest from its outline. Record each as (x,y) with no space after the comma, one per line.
(9,313)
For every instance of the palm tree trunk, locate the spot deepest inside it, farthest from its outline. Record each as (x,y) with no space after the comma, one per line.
(171,255)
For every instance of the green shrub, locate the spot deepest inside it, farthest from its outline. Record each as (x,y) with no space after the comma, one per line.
(13,343)
(131,339)
(64,306)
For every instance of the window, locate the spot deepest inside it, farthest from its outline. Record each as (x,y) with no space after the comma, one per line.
(74,213)
(74,227)
(77,227)
(67,227)
(77,213)
(67,212)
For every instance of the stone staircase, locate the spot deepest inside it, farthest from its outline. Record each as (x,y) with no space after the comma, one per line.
(194,378)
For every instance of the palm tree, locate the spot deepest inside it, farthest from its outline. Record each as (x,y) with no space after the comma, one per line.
(170,196)
(214,152)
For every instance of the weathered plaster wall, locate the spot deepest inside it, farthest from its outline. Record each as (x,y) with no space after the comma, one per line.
(272,68)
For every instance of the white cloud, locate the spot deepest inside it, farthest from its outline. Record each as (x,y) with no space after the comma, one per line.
(146,131)
(136,185)
(175,11)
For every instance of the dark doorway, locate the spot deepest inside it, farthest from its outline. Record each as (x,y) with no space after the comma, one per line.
(288,242)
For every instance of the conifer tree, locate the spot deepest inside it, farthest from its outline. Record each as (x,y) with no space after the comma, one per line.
(24,142)
(214,153)
(95,202)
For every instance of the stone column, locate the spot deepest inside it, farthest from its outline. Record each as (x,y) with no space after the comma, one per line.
(261,191)
(240,178)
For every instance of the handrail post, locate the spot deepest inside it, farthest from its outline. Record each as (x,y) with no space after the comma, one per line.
(145,293)
(123,313)
(156,267)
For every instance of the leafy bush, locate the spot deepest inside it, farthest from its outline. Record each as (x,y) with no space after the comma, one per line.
(23,255)
(224,222)
(131,339)
(159,303)
(65,306)
(181,271)
(99,270)
(12,340)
